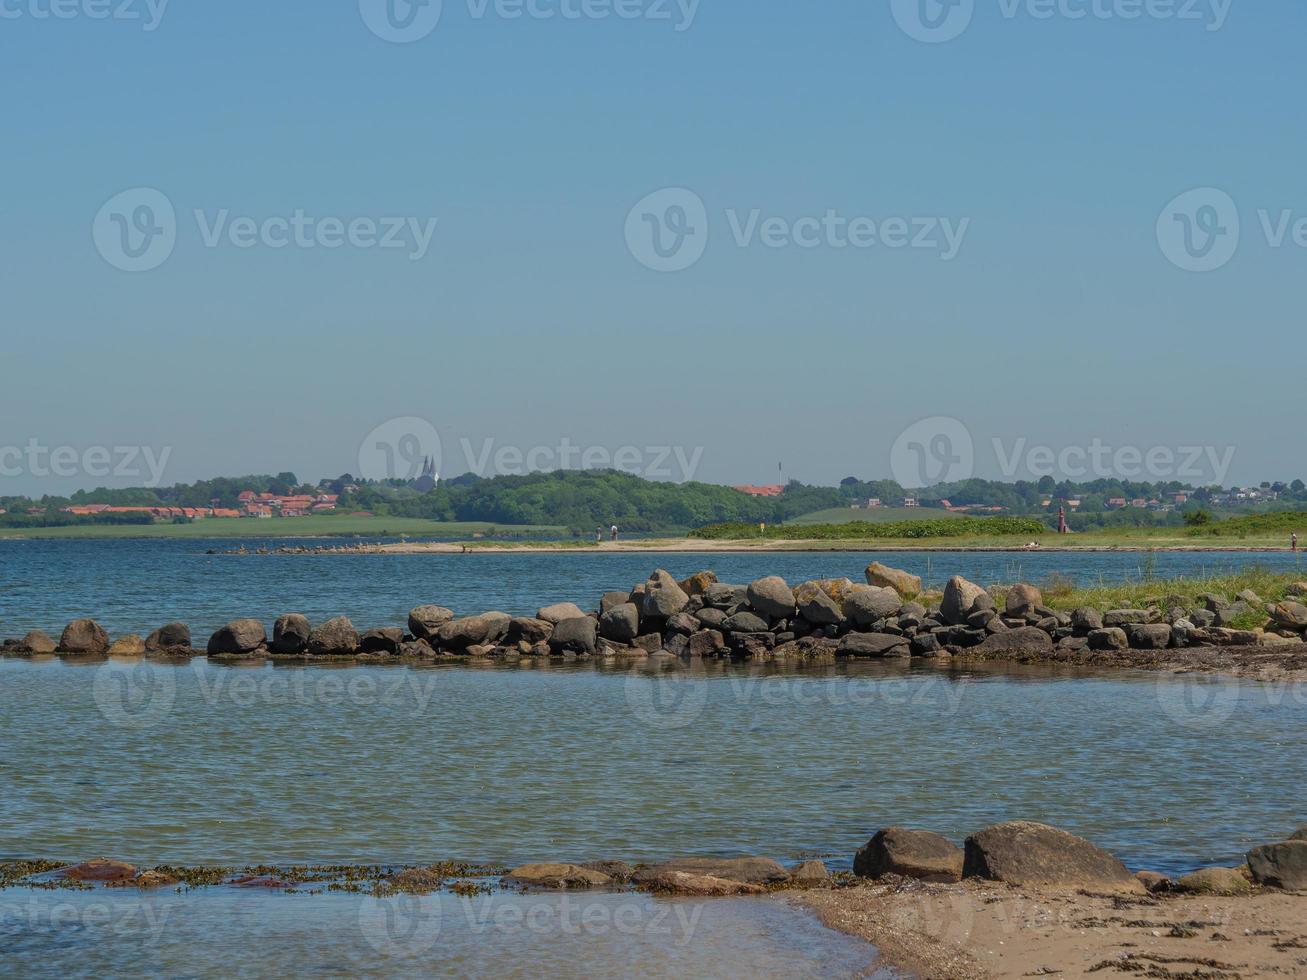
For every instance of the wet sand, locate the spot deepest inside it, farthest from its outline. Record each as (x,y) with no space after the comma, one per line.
(985,930)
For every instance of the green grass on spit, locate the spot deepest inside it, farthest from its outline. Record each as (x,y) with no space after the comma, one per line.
(281,527)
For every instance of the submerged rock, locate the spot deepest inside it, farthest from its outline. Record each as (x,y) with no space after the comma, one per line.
(128,646)
(557,876)
(684,883)
(753,870)
(101,869)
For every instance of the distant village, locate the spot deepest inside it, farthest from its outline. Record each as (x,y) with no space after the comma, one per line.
(251,504)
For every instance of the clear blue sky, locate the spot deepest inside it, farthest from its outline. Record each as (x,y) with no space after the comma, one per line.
(528,321)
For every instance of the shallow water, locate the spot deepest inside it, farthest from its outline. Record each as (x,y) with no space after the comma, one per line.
(135,586)
(226,932)
(199,763)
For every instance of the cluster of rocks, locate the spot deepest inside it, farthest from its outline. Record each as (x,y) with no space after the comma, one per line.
(764,620)
(1017,853)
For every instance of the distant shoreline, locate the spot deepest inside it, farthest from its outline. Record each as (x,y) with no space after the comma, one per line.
(692,546)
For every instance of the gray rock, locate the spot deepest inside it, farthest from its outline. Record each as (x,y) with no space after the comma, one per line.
(959,599)
(172,636)
(683,623)
(1023,599)
(290,634)
(386,639)
(874,645)
(611,600)
(710,617)
(1282,865)
(528,630)
(576,635)
(752,870)
(1227,615)
(1027,853)
(621,623)
(771,596)
(1149,636)
(1025,641)
(745,622)
(458,634)
(870,605)
(911,853)
(663,597)
(707,643)
(809,873)
(723,596)
(560,611)
(84,636)
(1086,619)
(335,637)
(900,581)
(37,642)
(424,622)
(1203,618)
(1109,638)
(557,877)
(239,636)
(1125,617)
(1289,614)
(816,606)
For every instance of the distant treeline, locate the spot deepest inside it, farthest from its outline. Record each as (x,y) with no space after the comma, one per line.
(56,519)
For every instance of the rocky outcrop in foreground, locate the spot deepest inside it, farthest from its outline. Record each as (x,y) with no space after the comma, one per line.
(765,620)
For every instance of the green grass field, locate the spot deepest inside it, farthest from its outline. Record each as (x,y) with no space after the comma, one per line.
(879,515)
(282,527)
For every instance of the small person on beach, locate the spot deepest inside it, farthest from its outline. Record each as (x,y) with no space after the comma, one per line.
(1293,541)
(614,532)
(599,535)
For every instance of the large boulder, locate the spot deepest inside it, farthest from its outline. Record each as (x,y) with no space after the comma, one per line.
(621,623)
(1212,881)
(385,639)
(560,611)
(1282,865)
(1025,641)
(576,635)
(1085,620)
(874,645)
(238,636)
(900,581)
(459,634)
(816,606)
(1291,615)
(1027,853)
(84,636)
(872,604)
(1149,636)
(663,598)
(557,876)
(290,634)
(771,596)
(724,596)
(753,870)
(425,621)
(911,853)
(335,637)
(1023,599)
(959,599)
(611,600)
(170,637)
(1125,617)
(1109,638)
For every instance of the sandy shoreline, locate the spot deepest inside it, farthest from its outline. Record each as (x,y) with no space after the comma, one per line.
(986,930)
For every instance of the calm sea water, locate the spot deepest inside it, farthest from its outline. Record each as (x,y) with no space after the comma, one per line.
(135,586)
